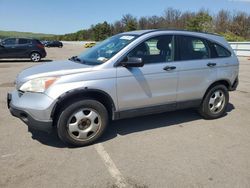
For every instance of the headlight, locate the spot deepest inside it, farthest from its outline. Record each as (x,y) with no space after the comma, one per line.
(38,84)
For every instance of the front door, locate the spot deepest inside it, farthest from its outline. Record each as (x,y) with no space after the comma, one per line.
(9,48)
(153,84)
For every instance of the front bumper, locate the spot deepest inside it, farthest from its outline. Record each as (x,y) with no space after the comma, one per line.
(35,117)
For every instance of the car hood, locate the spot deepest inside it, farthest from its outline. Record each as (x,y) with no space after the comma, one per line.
(54,68)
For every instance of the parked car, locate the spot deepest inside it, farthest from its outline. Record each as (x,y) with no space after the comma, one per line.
(89,44)
(130,74)
(22,48)
(44,42)
(54,44)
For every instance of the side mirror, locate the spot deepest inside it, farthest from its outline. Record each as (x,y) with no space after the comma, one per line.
(133,62)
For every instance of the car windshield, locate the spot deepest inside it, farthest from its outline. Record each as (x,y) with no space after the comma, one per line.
(105,50)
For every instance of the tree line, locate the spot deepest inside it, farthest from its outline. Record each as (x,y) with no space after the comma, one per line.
(234,26)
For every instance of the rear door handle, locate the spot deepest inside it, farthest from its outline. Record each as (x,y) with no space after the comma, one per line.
(211,64)
(169,68)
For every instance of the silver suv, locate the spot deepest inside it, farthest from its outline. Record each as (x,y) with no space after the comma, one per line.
(130,74)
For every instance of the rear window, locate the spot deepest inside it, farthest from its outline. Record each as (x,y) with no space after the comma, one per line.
(221,51)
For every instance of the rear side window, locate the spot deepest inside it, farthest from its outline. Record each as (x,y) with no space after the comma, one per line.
(24,41)
(192,48)
(221,51)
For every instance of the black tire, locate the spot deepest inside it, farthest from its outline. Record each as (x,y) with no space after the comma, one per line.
(204,109)
(68,112)
(35,57)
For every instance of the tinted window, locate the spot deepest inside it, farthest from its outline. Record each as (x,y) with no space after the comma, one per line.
(23,41)
(36,42)
(155,50)
(9,41)
(221,52)
(191,48)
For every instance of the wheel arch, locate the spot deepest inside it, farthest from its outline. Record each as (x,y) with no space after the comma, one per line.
(34,51)
(224,82)
(85,93)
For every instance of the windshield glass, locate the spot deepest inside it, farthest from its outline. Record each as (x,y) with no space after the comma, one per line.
(105,50)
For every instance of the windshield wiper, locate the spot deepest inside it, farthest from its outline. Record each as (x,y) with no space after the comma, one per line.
(75,58)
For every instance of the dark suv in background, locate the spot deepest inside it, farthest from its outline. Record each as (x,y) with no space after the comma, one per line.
(22,48)
(53,44)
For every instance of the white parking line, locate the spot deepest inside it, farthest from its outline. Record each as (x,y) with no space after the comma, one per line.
(7,155)
(113,170)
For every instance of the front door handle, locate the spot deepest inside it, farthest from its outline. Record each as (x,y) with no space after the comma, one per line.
(169,68)
(211,64)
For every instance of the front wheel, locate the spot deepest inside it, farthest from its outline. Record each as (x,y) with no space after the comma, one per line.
(82,122)
(215,102)
(35,57)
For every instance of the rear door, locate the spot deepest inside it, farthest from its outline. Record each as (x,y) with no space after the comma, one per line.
(198,70)
(23,47)
(155,83)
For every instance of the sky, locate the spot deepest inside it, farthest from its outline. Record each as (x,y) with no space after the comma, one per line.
(66,16)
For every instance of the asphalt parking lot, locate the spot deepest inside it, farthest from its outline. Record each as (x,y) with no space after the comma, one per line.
(175,149)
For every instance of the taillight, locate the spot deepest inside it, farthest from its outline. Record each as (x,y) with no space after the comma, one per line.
(40,46)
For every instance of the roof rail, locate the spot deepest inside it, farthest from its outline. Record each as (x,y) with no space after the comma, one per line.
(162,29)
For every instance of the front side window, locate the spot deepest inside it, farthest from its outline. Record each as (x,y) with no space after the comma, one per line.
(192,48)
(105,50)
(155,50)
(11,41)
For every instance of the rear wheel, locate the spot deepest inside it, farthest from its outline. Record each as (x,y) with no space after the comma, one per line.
(82,122)
(35,57)
(215,102)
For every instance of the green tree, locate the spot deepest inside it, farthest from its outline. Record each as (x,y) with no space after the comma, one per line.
(202,21)
(101,31)
(232,25)
(130,22)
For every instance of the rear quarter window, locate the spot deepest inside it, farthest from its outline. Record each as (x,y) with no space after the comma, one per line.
(36,41)
(221,51)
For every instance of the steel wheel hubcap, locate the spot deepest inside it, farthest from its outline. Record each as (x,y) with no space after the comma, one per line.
(217,102)
(84,124)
